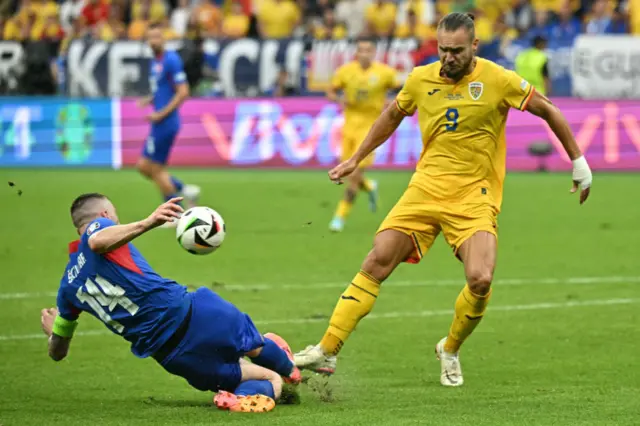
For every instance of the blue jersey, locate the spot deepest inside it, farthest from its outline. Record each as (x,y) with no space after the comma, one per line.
(166,72)
(121,290)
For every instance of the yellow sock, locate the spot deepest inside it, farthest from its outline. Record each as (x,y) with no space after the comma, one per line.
(344,207)
(354,304)
(367,185)
(469,311)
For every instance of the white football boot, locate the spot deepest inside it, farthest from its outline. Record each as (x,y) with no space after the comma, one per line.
(314,359)
(450,371)
(191,194)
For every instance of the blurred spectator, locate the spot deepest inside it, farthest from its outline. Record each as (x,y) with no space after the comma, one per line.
(47,27)
(462,6)
(70,10)
(555,5)
(278,18)
(329,29)
(424,10)
(315,9)
(114,28)
(520,16)
(350,12)
(540,26)
(484,26)
(95,12)
(502,40)
(208,18)
(236,23)
(599,19)
(139,24)
(531,64)
(155,10)
(381,18)
(180,17)
(633,11)
(618,24)
(414,28)
(567,27)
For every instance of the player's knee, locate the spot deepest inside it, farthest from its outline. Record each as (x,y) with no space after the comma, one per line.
(276,382)
(479,280)
(379,263)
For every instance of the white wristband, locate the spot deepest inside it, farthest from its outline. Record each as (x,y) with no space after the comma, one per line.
(582,172)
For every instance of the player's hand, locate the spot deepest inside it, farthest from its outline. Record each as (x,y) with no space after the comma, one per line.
(154,117)
(166,212)
(342,170)
(582,178)
(47,317)
(143,103)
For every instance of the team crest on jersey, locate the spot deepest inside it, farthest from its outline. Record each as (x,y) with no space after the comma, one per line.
(94,226)
(373,79)
(475,90)
(157,68)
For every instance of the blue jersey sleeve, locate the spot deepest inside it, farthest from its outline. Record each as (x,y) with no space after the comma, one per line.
(65,309)
(96,226)
(176,69)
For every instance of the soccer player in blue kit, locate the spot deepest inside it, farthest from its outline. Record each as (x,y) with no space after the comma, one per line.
(195,335)
(169,90)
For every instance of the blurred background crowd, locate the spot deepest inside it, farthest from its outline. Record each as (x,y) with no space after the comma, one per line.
(498,21)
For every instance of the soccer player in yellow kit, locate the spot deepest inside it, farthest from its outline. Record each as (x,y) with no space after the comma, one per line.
(462,105)
(364,84)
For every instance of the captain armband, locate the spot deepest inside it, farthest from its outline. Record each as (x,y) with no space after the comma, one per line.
(63,327)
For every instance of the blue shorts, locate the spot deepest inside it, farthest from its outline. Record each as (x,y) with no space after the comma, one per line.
(158,145)
(217,337)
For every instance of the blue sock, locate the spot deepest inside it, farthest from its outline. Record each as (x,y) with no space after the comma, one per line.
(170,196)
(254,387)
(274,358)
(177,183)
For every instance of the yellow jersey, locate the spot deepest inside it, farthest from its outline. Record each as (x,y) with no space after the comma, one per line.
(365,92)
(463,130)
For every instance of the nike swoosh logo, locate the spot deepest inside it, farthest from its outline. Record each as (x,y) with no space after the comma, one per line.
(349,298)
(433,92)
(474,318)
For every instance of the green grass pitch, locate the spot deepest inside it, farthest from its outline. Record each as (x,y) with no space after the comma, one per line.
(558,346)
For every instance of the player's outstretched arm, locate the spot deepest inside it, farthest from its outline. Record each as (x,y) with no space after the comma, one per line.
(381,130)
(116,236)
(542,107)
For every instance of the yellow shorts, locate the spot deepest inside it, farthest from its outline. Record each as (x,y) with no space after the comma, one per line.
(422,219)
(350,144)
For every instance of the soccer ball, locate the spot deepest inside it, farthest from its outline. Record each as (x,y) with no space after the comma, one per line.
(200,230)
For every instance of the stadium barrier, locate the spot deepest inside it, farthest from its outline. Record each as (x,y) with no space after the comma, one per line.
(282,133)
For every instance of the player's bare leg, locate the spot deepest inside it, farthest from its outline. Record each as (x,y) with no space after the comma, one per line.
(390,248)
(478,254)
(354,181)
(255,402)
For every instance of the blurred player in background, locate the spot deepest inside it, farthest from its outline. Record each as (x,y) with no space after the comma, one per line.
(169,90)
(198,336)
(364,84)
(463,103)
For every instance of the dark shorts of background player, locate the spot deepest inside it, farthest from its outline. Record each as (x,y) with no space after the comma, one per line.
(158,145)
(215,337)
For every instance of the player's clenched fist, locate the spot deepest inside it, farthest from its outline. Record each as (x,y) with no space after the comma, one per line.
(47,317)
(342,170)
(166,212)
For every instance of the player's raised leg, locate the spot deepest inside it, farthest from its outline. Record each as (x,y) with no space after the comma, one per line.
(390,248)
(257,392)
(478,253)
